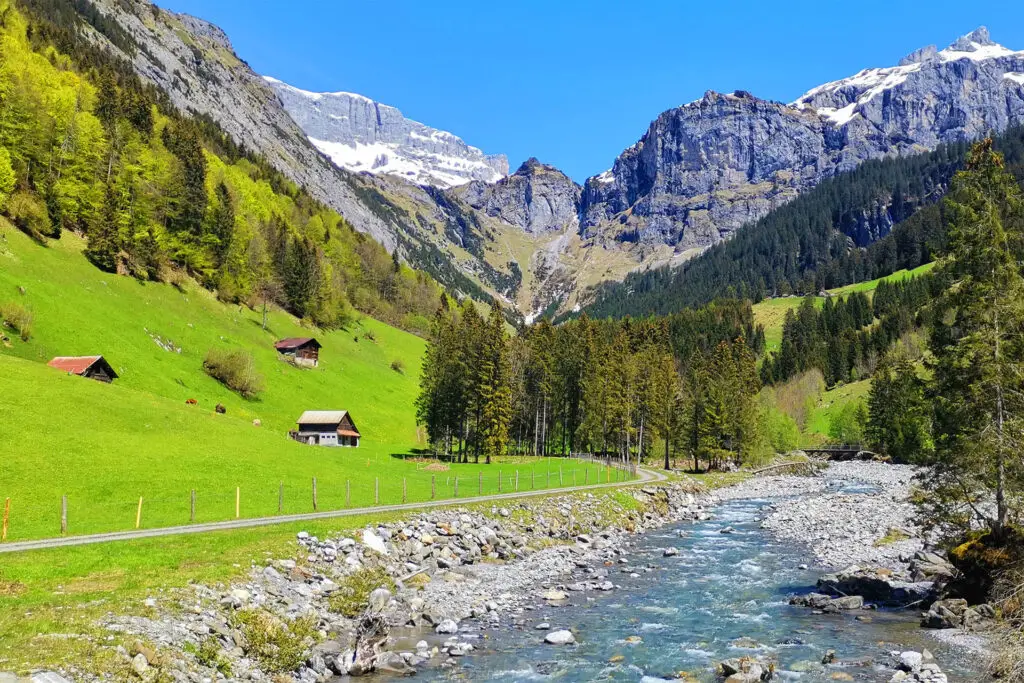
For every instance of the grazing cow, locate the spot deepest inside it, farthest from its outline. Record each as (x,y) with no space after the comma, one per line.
(221,409)
(191,402)
(257,423)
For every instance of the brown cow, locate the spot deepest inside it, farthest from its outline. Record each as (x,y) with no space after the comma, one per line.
(191,402)
(221,409)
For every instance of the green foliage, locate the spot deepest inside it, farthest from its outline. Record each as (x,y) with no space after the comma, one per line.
(354,590)
(18,318)
(235,369)
(899,419)
(7,177)
(398,366)
(29,214)
(208,653)
(780,430)
(978,348)
(847,425)
(279,645)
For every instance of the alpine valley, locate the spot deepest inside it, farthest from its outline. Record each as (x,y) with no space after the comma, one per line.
(534,238)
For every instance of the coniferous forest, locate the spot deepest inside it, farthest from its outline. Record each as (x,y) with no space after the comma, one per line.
(883,216)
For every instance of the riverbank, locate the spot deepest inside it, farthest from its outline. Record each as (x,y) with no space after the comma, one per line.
(451,576)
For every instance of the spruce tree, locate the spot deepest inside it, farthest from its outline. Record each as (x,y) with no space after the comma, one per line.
(978,347)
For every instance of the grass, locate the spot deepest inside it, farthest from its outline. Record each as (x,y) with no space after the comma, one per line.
(105,446)
(830,403)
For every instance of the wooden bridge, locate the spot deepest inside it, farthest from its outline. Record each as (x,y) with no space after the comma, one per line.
(839,452)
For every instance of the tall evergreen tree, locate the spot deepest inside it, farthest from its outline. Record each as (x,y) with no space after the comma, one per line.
(978,346)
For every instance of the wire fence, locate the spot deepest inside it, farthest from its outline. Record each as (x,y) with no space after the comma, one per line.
(86,512)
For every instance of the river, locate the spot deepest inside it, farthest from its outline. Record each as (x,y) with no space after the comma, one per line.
(724,595)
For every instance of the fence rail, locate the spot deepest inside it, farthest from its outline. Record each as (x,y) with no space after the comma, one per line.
(75,514)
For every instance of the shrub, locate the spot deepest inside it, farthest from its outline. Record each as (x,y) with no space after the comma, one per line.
(780,430)
(7,176)
(847,424)
(234,369)
(279,646)
(29,214)
(353,592)
(398,366)
(208,654)
(18,318)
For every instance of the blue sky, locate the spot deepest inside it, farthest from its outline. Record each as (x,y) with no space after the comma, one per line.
(575,83)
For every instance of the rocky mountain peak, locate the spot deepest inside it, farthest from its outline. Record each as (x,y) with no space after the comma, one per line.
(536,198)
(979,37)
(360,134)
(533,166)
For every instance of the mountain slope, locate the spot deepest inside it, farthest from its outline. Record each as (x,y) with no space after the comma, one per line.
(359,134)
(706,168)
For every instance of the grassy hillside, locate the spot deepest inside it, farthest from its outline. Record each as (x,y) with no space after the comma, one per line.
(771,313)
(828,405)
(104,446)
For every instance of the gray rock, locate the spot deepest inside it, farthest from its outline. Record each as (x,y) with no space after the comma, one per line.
(447,626)
(910,661)
(140,665)
(562,637)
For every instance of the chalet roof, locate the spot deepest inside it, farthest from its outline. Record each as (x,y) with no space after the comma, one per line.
(79,365)
(322,417)
(292,343)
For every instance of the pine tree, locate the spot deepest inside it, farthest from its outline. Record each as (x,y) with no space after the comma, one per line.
(978,346)
(495,392)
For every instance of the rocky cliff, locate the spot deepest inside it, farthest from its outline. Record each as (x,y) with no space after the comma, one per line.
(704,169)
(362,135)
(536,198)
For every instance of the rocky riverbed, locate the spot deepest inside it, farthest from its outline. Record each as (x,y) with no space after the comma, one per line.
(436,583)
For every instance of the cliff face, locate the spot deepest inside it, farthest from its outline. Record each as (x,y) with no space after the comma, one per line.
(362,135)
(706,168)
(537,198)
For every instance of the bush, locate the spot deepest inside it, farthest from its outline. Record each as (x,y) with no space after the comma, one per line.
(279,646)
(847,423)
(398,366)
(208,654)
(234,369)
(29,214)
(18,318)
(780,430)
(353,592)
(7,176)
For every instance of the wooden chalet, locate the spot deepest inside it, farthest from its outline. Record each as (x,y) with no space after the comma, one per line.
(300,350)
(93,367)
(326,428)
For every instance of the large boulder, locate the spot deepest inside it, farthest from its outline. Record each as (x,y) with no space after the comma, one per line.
(877,585)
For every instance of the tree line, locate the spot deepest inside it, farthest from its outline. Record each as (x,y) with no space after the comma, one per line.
(684,385)
(86,147)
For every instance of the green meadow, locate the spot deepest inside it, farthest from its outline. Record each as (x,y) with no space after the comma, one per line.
(106,446)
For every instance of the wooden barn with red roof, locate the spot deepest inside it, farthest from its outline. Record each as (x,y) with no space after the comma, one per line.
(93,367)
(300,350)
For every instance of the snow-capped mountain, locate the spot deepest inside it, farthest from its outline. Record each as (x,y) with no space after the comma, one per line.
(704,169)
(362,135)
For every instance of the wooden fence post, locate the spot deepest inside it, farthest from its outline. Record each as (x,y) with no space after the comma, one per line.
(517,480)
(479,483)
(456,487)
(376,491)
(559,476)
(280,498)
(586,476)
(549,479)
(138,514)
(63,515)
(433,487)
(192,508)
(348,493)
(238,502)
(7,515)
(314,494)
(499,481)
(403,490)
(533,479)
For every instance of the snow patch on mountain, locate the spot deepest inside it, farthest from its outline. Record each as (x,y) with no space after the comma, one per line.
(858,90)
(362,135)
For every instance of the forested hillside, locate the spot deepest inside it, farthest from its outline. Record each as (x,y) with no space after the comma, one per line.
(882,217)
(86,147)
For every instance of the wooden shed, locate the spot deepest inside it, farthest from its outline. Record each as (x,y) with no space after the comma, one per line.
(300,350)
(327,428)
(93,367)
